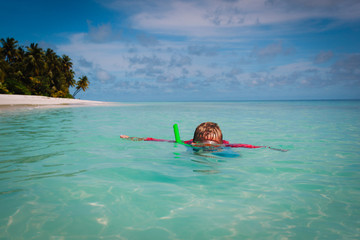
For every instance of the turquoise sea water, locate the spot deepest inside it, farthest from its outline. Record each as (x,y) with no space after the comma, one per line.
(66,174)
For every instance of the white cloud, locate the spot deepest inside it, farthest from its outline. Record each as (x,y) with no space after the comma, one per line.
(108,56)
(272,50)
(147,40)
(103,76)
(346,70)
(202,50)
(102,33)
(213,17)
(323,57)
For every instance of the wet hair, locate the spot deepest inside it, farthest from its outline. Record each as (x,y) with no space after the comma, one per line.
(208,131)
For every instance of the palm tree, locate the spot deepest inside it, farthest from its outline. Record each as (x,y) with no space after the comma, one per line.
(35,66)
(67,68)
(8,61)
(83,84)
(21,53)
(35,59)
(53,70)
(9,49)
(3,66)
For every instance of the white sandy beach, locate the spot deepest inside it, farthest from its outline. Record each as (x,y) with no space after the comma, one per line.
(12,100)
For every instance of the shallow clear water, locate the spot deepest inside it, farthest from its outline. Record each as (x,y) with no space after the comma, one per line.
(66,174)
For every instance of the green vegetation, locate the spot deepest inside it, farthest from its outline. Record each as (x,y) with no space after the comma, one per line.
(33,71)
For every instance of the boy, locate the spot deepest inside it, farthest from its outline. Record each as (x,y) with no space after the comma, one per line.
(206,134)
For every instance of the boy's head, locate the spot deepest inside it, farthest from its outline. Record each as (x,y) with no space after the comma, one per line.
(208,131)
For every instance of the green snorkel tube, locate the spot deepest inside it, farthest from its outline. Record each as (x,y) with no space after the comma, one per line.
(177,135)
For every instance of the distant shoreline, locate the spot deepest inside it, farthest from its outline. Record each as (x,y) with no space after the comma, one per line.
(13,100)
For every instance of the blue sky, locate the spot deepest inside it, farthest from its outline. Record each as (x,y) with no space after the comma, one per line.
(182,50)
